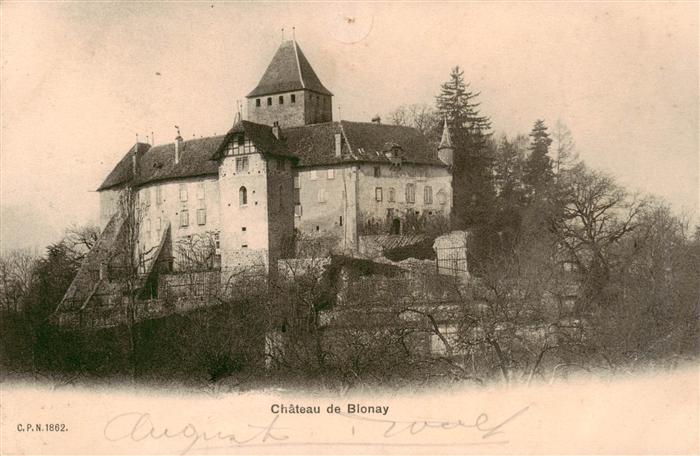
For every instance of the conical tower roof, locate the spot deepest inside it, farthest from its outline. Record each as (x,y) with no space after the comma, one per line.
(446,141)
(289,70)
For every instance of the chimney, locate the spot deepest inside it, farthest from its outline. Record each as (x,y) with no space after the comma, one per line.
(338,144)
(179,145)
(276,129)
(376,119)
(134,158)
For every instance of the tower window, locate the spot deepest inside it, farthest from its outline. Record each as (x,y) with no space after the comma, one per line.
(183,192)
(293,98)
(410,193)
(184,218)
(242,164)
(242,196)
(201,216)
(257,102)
(269,101)
(281,99)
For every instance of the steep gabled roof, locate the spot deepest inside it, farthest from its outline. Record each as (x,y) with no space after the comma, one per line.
(158,163)
(364,142)
(309,145)
(289,70)
(123,172)
(261,135)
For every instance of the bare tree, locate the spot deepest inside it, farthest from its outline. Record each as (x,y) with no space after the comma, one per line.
(418,115)
(597,215)
(16,274)
(79,240)
(565,153)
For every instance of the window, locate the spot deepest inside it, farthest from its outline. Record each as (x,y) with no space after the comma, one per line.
(377,171)
(257,102)
(280,165)
(312,175)
(183,192)
(159,195)
(442,197)
(331,174)
(269,101)
(297,184)
(200,191)
(184,218)
(244,246)
(240,140)
(378,193)
(392,194)
(410,193)
(321,195)
(243,228)
(428,195)
(281,99)
(297,210)
(242,164)
(201,216)
(242,196)
(294,98)
(217,241)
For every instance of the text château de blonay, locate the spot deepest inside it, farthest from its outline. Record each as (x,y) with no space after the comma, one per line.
(347,408)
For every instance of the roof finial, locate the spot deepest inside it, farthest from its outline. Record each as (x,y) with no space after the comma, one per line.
(294,33)
(283,34)
(137,138)
(153,139)
(178,131)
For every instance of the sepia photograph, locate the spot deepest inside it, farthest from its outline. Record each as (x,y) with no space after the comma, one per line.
(349,228)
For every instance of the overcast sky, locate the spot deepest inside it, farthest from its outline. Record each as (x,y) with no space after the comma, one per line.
(80,80)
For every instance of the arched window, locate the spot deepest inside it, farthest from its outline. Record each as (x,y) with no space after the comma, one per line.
(242,196)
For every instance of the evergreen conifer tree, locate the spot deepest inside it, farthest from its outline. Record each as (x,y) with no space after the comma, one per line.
(472,177)
(538,167)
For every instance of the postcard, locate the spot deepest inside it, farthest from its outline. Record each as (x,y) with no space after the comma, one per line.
(349,228)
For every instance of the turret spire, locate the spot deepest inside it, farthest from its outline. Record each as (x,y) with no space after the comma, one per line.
(446,141)
(446,149)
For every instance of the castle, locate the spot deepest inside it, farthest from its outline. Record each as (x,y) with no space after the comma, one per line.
(289,170)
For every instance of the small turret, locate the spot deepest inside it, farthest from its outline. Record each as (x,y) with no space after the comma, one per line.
(446,149)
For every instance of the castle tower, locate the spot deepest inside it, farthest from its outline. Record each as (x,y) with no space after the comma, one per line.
(290,92)
(446,149)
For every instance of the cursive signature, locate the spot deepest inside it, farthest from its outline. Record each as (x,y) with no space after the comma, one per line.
(140,426)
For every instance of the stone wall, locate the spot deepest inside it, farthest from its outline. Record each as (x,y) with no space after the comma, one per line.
(308,108)
(328,205)
(245,239)
(280,191)
(375,203)
(165,202)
